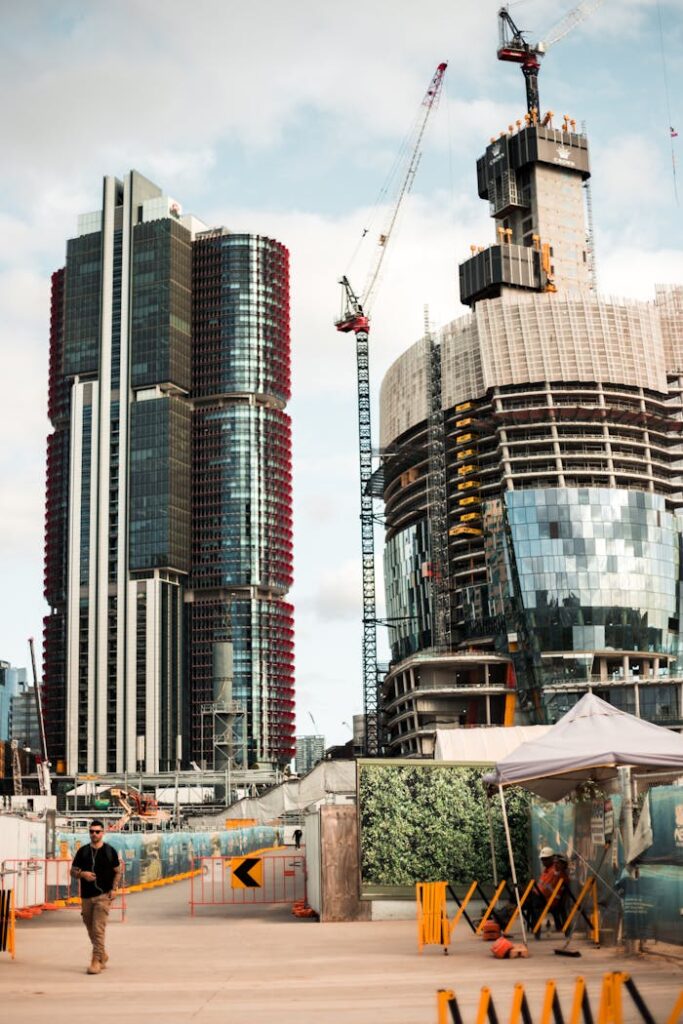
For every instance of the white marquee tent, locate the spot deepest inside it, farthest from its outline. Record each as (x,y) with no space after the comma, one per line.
(485,745)
(592,741)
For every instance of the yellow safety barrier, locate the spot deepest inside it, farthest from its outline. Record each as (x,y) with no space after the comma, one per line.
(677,1012)
(433,925)
(611,1008)
(7,922)
(445,998)
(462,907)
(551,1004)
(590,885)
(491,907)
(433,928)
(520,1007)
(580,1004)
(551,899)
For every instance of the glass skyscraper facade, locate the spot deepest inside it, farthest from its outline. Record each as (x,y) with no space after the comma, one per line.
(562,419)
(168,487)
(242,485)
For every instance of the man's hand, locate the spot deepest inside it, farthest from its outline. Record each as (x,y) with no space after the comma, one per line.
(89,876)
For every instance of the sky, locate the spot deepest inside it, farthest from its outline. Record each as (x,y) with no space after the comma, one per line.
(284,120)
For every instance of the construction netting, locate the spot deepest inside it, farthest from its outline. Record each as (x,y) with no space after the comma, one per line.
(640,876)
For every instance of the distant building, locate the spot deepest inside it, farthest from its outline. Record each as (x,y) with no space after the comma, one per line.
(309,750)
(5,698)
(358,735)
(11,681)
(24,716)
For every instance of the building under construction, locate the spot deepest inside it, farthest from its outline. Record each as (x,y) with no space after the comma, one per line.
(531,474)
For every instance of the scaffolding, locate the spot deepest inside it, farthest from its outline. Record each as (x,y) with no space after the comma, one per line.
(224,724)
(437,504)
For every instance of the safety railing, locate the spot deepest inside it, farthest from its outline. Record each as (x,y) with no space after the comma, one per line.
(41,884)
(259,877)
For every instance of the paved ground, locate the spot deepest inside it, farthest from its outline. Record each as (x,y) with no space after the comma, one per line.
(260,965)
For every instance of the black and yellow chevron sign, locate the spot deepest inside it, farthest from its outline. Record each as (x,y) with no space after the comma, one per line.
(246,872)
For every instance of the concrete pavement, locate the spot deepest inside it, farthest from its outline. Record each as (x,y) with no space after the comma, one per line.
(260,965)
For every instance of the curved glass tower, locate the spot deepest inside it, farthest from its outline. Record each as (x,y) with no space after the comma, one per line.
(242,490)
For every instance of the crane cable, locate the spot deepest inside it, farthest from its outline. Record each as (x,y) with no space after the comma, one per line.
(673,134)
(386,191)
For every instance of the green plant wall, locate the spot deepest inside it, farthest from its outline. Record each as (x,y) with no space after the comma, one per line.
(427,822)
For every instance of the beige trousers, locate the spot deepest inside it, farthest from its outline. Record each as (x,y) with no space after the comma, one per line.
(95,912)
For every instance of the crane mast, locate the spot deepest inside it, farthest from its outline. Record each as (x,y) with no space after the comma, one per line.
(355,319)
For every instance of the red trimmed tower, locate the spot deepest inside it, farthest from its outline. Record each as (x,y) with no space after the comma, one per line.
(242,492)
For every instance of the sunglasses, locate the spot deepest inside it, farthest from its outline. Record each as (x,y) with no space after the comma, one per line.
(94,831)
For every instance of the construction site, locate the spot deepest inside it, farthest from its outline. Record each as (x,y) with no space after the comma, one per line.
(525,482)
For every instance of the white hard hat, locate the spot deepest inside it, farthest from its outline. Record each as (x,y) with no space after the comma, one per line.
(546,852)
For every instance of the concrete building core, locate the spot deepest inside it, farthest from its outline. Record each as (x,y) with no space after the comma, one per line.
(532,179)
(562,421)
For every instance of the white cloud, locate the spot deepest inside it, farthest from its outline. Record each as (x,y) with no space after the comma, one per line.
(338,593)
(632,272)
(620,167)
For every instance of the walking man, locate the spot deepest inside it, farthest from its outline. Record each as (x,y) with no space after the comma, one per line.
(98,868)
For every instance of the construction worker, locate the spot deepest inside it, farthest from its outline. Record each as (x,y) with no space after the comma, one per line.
(98,869)
(554,868)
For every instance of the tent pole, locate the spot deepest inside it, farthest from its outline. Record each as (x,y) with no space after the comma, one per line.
(492,844)
(630,945)
(513,870)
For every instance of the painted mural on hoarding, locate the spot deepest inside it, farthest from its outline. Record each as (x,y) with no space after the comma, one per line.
(426,822)
(149,856)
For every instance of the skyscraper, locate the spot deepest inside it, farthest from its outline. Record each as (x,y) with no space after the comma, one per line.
(167,490)
(560,417)
(309,751)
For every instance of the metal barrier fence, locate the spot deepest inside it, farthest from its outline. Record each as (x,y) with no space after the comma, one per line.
(257,878)
(45,883)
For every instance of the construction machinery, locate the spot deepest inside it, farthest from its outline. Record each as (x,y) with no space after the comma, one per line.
(355,318)
(136,805)
(515,48)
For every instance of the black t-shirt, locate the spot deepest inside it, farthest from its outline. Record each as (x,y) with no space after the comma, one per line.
(103,862)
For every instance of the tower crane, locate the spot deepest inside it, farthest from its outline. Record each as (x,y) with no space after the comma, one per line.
(515,48)
(355,318)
